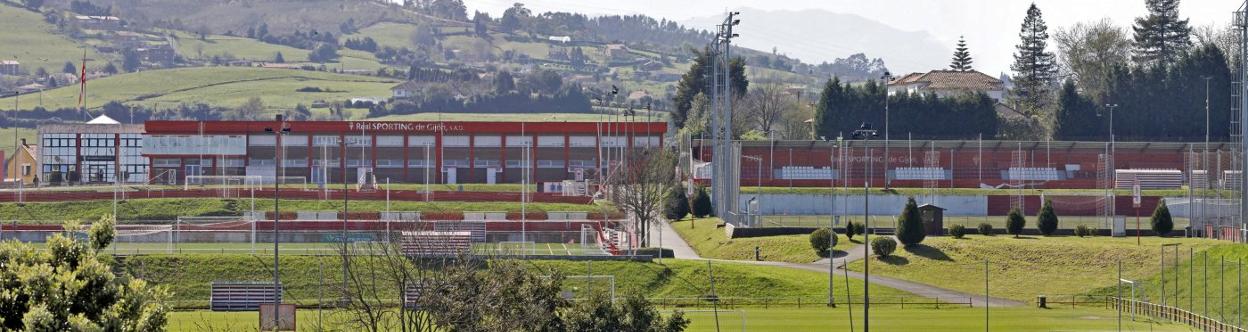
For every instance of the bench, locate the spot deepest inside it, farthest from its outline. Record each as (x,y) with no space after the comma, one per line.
(242,295)
(475,228)
(411,295)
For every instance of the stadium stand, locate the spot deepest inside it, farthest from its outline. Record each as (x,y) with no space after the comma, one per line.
(1148,178)
(1032,174)
(806,173)
(436,244)
(920,173)
(242,295)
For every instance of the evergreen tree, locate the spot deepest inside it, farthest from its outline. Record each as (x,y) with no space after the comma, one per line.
(702,203)
(278,58)
(110,68)
(1047,220)
(504,83)
(1015,222)
(1076,115)
(910,230)
(1161,36)
(130,61)
(69,68)
(697,80)
(1161,221)
(961,57)
(677,205)
(1035,67)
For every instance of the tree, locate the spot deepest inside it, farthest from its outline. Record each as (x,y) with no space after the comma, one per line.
(278,58)
(110,68)
(696,81)
(504,83)
(1089,51)
(676,206)
(69,68)
(822,240)
(851,229)
(450,9)
(1034,66)
(961,56)
(634,314)
(883,246)
(251,109)
(130,61)
(323,53)
(1014,222)
(1076,115)
(41,72)
(1161,221)
(639,189)
(910,230)
(480,24)
(1047,220)
(702,203)
(765,105)
(67,285)
(514,17)
(1161,36)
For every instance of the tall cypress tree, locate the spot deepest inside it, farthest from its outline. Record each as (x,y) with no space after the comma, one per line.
(961,56)
(1161,36)
(1076,115)
(1035,68)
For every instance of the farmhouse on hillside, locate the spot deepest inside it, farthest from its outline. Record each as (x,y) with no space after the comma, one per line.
(946,83)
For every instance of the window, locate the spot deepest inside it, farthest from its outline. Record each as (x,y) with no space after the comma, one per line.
(25,169)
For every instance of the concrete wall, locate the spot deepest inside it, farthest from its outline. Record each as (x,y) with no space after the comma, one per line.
(816,204)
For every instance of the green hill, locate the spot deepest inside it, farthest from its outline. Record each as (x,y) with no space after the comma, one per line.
(243,48)
(24,35)
(218,86)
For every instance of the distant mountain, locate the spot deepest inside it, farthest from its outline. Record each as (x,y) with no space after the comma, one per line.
(816,36)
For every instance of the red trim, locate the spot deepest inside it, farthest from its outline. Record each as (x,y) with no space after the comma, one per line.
(396,127)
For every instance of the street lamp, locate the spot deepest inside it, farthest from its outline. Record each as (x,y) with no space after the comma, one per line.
(282,128)
(865,133)
(886,78)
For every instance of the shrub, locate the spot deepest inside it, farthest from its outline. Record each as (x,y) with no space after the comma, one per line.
(1083,230)
(854,228)
(1161,221)
(985,229)
(701,203)
(676,206)
(1047,220)
(1015,222)
(883,246)
(957,231)
(822,240)
(910,230)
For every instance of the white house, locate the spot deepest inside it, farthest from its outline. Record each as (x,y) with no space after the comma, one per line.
(947,83)
(404,90)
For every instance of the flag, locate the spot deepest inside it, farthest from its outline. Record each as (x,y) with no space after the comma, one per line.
(82,80)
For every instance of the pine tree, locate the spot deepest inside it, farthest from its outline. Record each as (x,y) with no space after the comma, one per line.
(702,203)
(1015,222)
(278,58)
(1076,115)
(677,205)
(910,230)
(961,56)
(1034,67)
(1161,221)
(1161,36)
(1047,220)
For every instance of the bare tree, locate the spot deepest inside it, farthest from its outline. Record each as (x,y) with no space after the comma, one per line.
(765,104)
(1226,38)
(641,185)
(1088,51)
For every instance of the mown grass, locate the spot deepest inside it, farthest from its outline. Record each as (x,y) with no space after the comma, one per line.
(1022,268)
(1206,282)
(218,86)
(710,241)
(971,222)
(172,208)
(747,189)
(189,277)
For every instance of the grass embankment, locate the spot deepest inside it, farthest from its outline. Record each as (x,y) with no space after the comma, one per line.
(971,222)
(172,208)
(711,242)
(747,189)
(1206,283)
(189,277)
(1022,268)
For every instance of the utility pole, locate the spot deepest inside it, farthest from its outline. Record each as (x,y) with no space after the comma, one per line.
(278,131)
(885,79)
(865,133)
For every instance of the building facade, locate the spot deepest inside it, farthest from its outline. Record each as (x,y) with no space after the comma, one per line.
(401,152)
(99,151)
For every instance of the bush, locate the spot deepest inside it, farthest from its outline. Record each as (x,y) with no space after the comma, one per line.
(1161,221)
(822,240)
(1047,220)
(702,203)
(957,231)
(677,205)
(910,230)
(883,246)
(1015,222)
(985,229)
(854,228)
(1083,230)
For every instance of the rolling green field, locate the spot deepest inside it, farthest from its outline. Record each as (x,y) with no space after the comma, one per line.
(396,35)
(1022,268)
(711,242)
(35,43)
(219,86)
(241,48)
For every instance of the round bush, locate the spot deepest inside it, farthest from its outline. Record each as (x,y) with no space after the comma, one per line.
(1082,231)
(822,240)
(985,229)
(957,231)
(883,246)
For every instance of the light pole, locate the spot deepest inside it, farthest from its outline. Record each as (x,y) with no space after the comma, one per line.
(865,133)
(886,78)
(1109,175)
(281,129)
(758,196)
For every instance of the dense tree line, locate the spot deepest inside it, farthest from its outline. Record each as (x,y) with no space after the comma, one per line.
(299,39)
(698,81)
(366,44)
(843,107)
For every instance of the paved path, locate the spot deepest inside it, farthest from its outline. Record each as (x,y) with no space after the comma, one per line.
(672,240)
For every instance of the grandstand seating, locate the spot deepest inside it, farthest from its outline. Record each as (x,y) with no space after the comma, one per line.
(242,295)
(485,216)
(411,295)
(806,173)
(920,173)
(316,215)
(475,228)
(1032,174)
(400,215)
(1148,178)
(436,244)
(555,215)
(1199,178)
(1231,179)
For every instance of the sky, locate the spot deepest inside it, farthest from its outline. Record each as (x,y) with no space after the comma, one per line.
(990,26)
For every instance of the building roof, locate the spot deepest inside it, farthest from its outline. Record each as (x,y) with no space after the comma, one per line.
(9,62)
(103,119)
(952,80)
(409,86)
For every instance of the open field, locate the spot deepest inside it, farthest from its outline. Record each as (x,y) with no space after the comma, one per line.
(997,222)
(35,43)
(172,208)
(218,86)
(189,277)
(711,242)
(1021,268)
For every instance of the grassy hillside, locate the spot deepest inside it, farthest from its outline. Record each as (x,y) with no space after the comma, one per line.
(1209,284)
(1025,267)
(711,242)
(35,43)
(219,86)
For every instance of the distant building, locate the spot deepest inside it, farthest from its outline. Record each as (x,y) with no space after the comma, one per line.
(404,90)
(560,39)
(99,151)
(99,22)
(23,165)
(10,67)
(947,83)
(616,52)
(158,54)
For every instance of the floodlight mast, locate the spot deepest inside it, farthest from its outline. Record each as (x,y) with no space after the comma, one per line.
(865,133)
(282,128)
